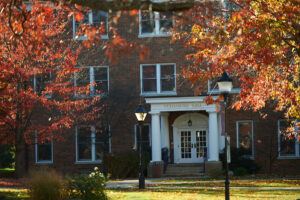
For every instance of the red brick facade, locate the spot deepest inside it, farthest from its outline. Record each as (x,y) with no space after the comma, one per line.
(124,84)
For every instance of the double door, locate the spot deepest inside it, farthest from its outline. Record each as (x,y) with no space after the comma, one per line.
(192,145)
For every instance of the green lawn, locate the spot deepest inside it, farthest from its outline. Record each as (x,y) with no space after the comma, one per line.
(234,183)
(203,194)
(163,194)
(13,194)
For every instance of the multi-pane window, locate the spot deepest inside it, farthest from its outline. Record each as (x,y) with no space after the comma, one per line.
(288,145)
(158,78)
(91,143)
(146,136)
(43,151)
(244,135)
(97,78)
(96,18)
(40,82)
(155,23)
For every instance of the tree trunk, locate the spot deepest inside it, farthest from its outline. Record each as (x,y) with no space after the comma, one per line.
(21,156)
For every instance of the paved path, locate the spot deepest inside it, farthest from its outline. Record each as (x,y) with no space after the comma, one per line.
(133,184)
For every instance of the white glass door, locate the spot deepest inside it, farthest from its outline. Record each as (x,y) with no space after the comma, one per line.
(192,145)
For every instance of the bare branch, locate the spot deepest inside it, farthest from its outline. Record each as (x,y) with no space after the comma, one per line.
(117,5)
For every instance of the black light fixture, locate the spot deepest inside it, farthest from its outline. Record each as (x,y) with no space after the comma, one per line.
(225,86)
(190,123)
(141,114)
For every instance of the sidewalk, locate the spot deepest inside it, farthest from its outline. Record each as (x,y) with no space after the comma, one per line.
(133,184)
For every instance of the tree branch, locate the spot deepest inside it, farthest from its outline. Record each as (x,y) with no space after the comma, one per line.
(117,5)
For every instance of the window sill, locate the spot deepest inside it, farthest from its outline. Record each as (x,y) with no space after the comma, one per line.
(88,162)
(288,157)
(104,37)
(159,94)
(154,35)
(44,162)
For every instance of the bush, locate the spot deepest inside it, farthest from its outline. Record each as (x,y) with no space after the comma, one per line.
(125,165)
(88,186)
(239,160)
(240,171)
(46,185)
(7,156)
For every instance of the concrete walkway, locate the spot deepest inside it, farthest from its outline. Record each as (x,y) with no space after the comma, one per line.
(133,184)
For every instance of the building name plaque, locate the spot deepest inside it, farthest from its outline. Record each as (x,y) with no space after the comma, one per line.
(183,105)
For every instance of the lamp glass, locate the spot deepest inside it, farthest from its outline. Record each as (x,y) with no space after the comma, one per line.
(141,116)
(225,86)
(140,113)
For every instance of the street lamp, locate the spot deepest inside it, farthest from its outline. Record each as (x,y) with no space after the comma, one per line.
(225,86)
(141,114)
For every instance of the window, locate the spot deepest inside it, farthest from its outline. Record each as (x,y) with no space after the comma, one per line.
(158,79)
(96,77)
(43,151)
(244,135)
(91,143)
(96,18)
(40,82)
(155,23)
(146,136)
(288,145)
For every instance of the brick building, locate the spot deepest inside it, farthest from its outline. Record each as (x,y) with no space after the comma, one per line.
(170,100)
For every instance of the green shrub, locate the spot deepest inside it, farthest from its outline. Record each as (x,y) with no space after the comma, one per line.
(7,156)
(240,171)
(88,186)
(238,159)
(45,185)
(125,165)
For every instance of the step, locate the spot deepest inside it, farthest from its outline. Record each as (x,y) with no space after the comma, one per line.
(184,169)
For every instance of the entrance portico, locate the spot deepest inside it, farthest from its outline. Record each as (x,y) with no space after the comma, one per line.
(189,141)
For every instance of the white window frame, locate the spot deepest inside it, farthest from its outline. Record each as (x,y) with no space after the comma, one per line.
(156,33)
(84,37)
(297,143)
(136,126)
(36,152)
(35,85)
(93,147)
(158,80)
(92,79)
(252,136)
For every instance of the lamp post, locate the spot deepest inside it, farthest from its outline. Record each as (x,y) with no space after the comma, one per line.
(225,86)
(141,114)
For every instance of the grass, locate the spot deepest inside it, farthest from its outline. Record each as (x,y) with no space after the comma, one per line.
(203,194)
(171,194)
(233,183)
(13,194)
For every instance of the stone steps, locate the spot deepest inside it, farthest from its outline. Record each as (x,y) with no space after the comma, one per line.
(194,169)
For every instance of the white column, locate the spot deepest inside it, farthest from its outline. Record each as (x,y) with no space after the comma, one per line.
(213,140)
(165,141)
(221,138)
(156,144)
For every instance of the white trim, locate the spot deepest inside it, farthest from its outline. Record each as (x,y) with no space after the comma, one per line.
(92,79)
(93,146)
(252,136)
(90,19)
(135,134)
(36,152)
(297,144)
(156,32)
(49,96)
(158,80)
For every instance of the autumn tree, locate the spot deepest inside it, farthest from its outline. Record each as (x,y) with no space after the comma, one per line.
(255,41)
(38,62)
